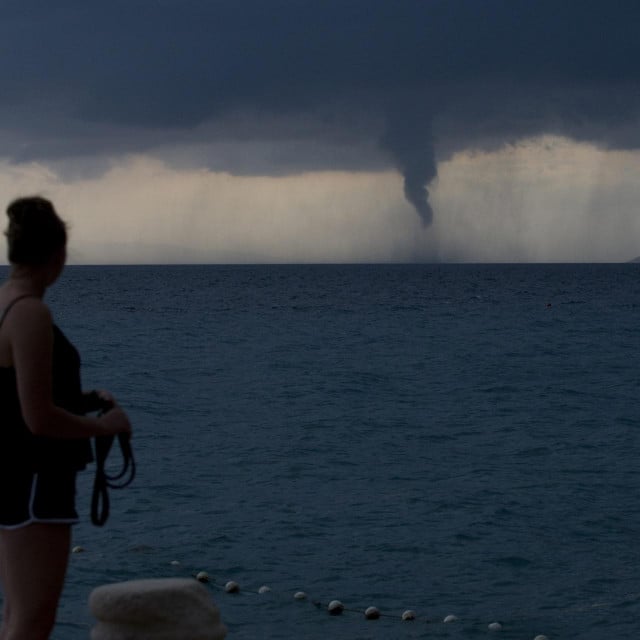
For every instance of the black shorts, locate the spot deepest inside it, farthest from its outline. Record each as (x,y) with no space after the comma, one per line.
(46,496)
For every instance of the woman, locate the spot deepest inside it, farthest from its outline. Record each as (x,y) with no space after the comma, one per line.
(44,436)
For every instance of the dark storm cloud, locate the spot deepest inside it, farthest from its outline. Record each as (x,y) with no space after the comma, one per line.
(422,78)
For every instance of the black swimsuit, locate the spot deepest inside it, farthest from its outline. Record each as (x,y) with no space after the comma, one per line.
(38,473)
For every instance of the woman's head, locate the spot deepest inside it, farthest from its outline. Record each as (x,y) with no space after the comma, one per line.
(35,233)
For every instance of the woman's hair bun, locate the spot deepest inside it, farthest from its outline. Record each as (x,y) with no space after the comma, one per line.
(23,209)
(35,231)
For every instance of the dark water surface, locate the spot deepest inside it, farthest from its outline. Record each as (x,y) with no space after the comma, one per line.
(453,439)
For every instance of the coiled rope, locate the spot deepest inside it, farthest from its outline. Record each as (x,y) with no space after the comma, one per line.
(103,482)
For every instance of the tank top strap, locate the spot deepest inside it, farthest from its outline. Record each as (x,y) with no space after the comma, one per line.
(8,307)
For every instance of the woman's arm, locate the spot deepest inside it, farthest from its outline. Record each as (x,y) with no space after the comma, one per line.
(29,328)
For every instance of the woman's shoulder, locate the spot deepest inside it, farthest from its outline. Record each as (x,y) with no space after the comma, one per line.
(26,311)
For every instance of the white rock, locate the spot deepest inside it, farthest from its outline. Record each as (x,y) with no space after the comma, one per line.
(162,609)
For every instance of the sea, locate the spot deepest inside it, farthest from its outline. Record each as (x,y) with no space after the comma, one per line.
(453,439)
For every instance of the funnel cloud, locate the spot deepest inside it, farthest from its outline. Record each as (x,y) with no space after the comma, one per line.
(410,144)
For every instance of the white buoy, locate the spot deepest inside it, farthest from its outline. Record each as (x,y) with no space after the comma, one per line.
(202,576)
(174,563)
(232,587)
(495,626)
(77,549)
(372,613)
(541,638)
(335,607)
(300,595)
(450,618)
(264,589)
(409,614)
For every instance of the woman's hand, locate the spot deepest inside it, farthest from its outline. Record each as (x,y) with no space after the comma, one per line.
(116,421)
(106,396)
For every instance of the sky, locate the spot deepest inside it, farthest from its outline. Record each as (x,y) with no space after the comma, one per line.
(233,131)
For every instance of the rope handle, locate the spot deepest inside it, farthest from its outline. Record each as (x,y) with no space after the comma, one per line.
(103,481)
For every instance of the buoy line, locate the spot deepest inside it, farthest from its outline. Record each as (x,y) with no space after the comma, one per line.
(337,608)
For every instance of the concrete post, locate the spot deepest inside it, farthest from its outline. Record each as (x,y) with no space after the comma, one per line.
(155,609)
